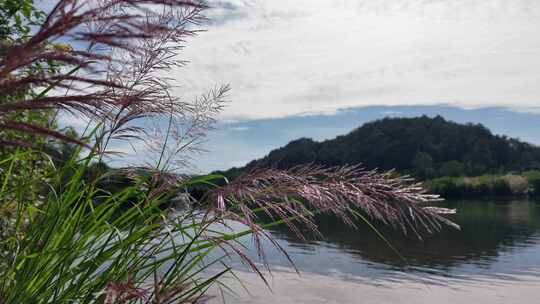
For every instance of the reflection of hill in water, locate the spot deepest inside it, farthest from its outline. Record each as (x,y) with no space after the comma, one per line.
(488,229)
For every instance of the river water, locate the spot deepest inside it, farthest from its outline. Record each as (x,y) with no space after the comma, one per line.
(494,258)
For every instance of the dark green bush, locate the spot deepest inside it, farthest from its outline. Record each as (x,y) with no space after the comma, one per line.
(533,178)
(500,187)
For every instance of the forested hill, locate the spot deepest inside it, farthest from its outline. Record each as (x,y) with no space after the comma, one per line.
(424,147)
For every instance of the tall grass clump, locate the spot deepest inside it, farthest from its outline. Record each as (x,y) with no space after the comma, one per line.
(68,236)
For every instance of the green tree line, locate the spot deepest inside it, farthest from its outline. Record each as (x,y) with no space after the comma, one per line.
(423,147)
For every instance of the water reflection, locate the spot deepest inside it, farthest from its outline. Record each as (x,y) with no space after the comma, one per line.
(498,238)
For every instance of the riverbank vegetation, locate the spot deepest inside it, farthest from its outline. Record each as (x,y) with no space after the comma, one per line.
(67,235)
(525,184)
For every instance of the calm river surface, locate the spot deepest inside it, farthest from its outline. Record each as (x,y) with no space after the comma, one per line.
(495,258)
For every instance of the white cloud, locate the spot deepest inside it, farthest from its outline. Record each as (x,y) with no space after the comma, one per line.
(291,57)
(78,122)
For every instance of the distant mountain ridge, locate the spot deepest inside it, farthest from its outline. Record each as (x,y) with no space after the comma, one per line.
(424,147)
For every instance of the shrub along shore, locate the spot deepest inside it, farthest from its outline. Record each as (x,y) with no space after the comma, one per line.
(523,184)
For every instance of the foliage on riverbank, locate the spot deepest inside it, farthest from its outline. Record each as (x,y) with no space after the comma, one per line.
(527,183)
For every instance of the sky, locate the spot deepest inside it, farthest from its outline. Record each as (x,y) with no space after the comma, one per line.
(286,58)
(320,68)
